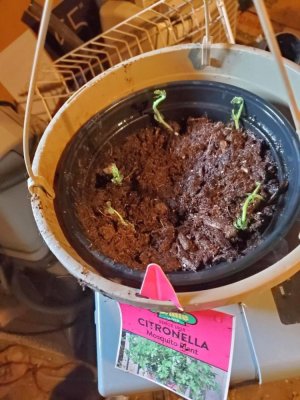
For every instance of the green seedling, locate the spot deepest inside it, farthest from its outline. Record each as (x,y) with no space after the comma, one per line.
(159,96)
(111,211)
(242,223)
(113,170)
(238,105)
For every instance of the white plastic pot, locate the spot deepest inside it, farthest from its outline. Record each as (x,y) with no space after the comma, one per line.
(241,66)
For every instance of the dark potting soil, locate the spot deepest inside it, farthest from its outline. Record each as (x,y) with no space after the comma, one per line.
(179,197)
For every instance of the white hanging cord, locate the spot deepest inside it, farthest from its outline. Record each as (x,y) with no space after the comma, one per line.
(206,42)
(36,181)
(206,17)
(273,46)
(225,21)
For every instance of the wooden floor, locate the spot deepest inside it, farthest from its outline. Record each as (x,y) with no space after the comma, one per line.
(287,389)
(32,372)
(279,390)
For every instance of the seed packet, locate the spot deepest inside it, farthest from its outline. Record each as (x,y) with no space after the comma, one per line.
(187,353)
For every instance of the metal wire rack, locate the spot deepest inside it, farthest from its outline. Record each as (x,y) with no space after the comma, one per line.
(163,23)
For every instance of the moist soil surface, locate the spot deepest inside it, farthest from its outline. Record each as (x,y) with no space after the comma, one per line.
(180,196)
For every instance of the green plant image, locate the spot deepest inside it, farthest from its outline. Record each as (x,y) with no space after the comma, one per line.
(160,96)
(238,105)
(113,170)
(185,375)
(111,211)
(242,222)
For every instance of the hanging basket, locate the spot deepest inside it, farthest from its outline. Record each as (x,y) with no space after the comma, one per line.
(231,64)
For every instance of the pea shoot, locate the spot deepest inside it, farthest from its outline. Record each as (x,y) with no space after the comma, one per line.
(160,96)
(242,222)
(111,211)
(238,106)
(113,170)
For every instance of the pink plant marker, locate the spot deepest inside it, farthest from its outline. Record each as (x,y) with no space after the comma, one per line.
(156,286)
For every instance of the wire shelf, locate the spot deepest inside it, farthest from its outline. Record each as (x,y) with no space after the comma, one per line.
(163,23)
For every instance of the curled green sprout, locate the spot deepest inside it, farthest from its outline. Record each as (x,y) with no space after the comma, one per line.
(159,96)
(111,211)
(238,105)
(113,170)
(242,223)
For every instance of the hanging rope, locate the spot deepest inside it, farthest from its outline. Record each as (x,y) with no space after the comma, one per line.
(36,181)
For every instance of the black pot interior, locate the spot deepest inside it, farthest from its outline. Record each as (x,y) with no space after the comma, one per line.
(184,99)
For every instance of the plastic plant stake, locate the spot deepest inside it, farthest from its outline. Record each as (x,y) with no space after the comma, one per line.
(156,286)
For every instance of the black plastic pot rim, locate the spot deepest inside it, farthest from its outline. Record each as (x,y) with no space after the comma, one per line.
(283,140)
